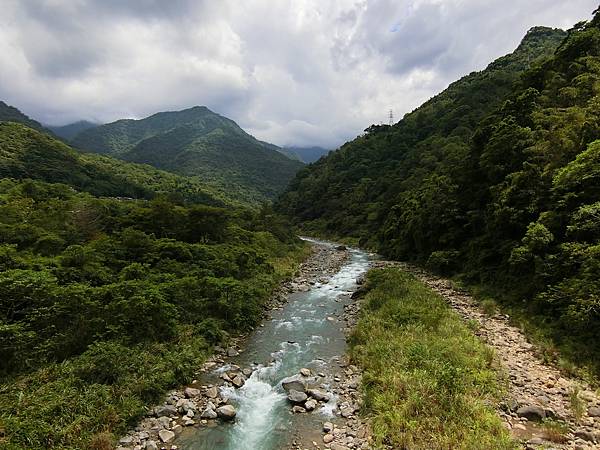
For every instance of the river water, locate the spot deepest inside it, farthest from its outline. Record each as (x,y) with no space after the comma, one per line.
(306,332)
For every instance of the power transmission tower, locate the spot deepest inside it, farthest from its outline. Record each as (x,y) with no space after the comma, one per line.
(391,117)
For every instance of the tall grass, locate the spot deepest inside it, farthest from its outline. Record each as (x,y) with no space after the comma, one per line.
(429,383)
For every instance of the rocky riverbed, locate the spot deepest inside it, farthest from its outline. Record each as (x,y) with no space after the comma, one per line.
(206,404)
(538,392)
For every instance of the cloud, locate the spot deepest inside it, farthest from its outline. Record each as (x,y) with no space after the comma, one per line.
(294,72)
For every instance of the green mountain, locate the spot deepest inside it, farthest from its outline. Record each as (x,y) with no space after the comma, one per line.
(497,178)
(29,153)
(197,142)
(68,132)
(307,154)
(11,114)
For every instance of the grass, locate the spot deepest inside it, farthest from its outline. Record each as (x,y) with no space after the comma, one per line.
(555,431)
(428,381)
(59,406)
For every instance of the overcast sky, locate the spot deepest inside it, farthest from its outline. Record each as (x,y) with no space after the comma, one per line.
(292,72)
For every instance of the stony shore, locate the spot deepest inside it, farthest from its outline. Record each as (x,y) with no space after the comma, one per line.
(201,405)
(538,392)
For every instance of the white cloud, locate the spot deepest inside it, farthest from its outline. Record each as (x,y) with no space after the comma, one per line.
(289,71)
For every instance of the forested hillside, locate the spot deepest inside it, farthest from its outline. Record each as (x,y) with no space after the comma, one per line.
(28,153)
(197,142)
(11,114)
(497,178)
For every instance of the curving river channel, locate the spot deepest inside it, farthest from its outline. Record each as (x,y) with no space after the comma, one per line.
(306,332)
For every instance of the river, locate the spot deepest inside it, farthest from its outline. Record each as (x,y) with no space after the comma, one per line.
(306,332)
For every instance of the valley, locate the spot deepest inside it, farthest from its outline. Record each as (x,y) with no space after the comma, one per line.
(175,279)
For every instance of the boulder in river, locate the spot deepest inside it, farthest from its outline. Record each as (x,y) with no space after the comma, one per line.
(212,392)
(293,383)
(226,412)
(318,394)
(296,396)
(305,372)
(208,413)
(166,435)
(238,381)
(310,404)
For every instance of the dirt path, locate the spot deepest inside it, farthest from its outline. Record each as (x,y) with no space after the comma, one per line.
(537,391)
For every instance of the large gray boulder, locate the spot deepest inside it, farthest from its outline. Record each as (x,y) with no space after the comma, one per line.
(296,396)
(294,382)
(208,413)
(226,412)
(166,410)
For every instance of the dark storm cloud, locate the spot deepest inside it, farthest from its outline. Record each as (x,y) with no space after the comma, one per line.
(292,72)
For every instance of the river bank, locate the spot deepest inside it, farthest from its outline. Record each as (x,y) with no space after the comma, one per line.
(195,416)
(544,407)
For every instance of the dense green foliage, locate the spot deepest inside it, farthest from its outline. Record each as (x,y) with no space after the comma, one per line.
(27,153)
(197,142)
(497,178)
(105,303)
(428,380)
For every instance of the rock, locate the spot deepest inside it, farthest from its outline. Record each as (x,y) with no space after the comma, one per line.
(594,411)
(319,395)
(177,429)
(164,422)
(347,412)
(310,404)
(296,396)
(532,413)
(232,352)
(327,427)
(166,410)
(293,383)
(298,409)
(166,435)
(238,381)
(336,446)
(226,412)
(305,372)
(341,248)
(212,392)
(126,440)
(585,435)
(151,445)
(535,441)
(189,422)
(208,413)
(328,438)
(191,392)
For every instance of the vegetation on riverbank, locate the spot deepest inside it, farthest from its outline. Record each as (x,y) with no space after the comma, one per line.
(106,303)
(496,179)
(428,380)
